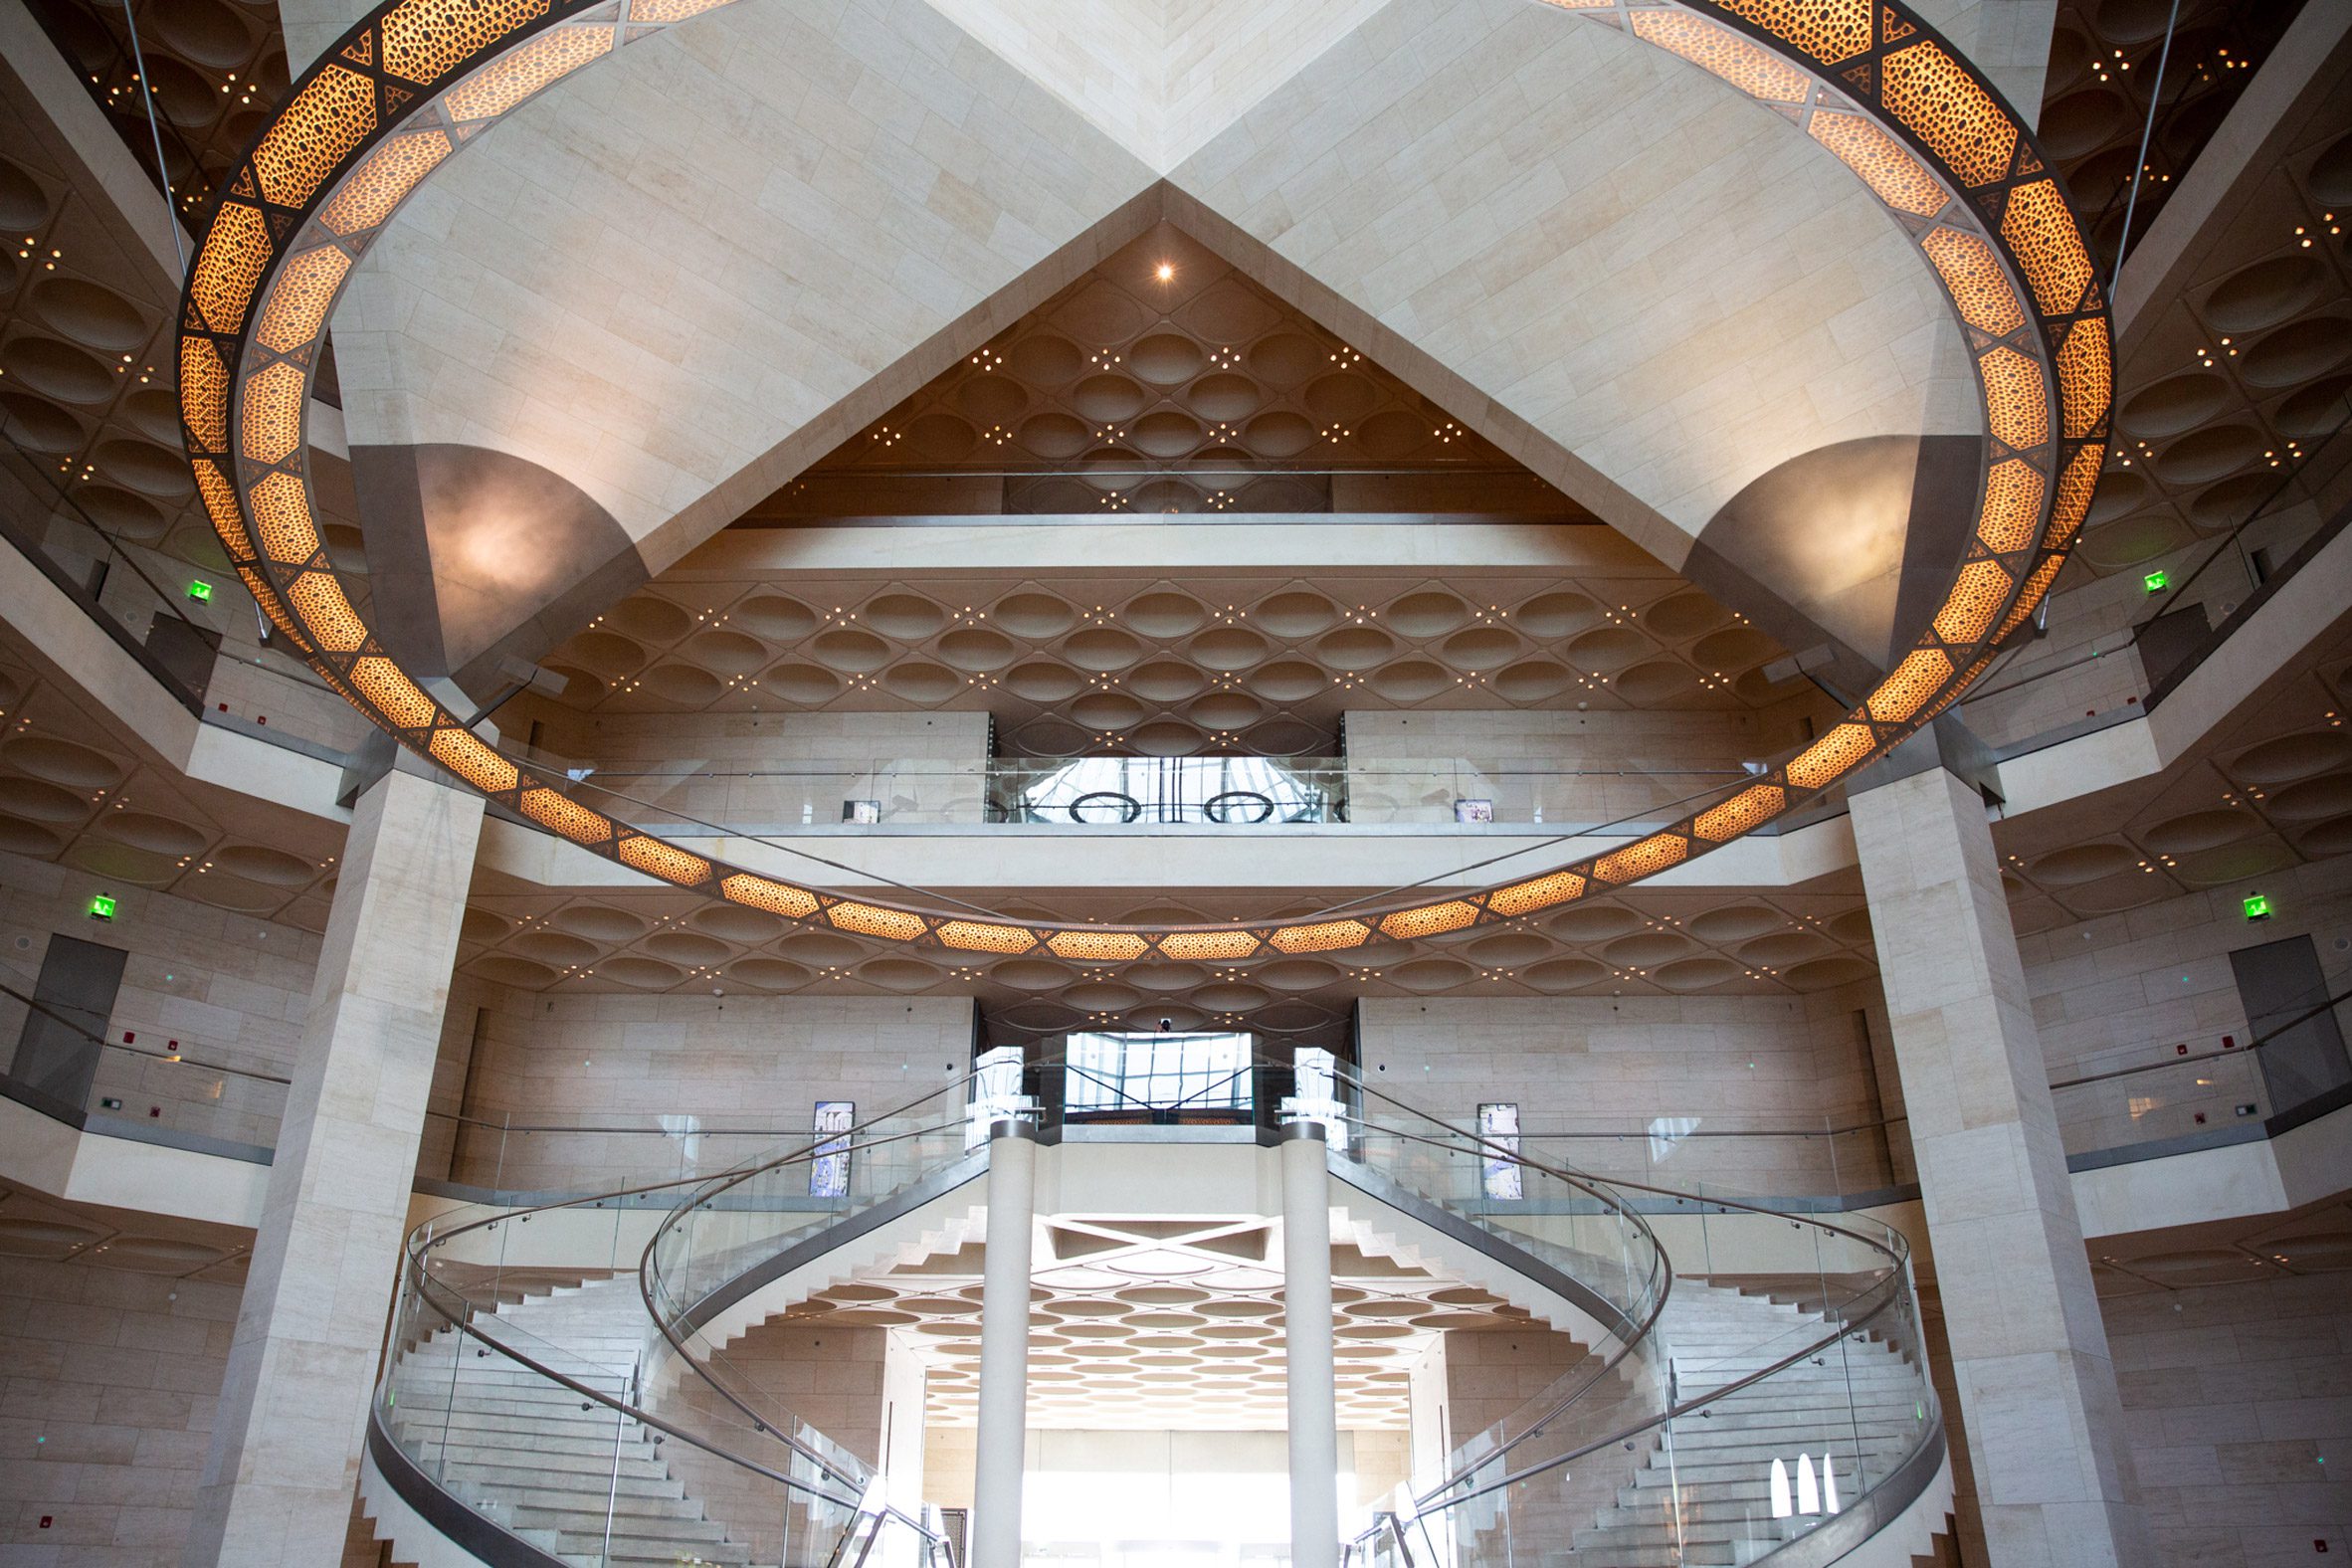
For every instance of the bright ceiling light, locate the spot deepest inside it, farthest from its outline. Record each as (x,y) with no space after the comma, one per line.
(1165,271)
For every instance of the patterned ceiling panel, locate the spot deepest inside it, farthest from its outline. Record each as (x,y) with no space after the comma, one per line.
(1262,666)
(1165,381)
(72,794)
(2270,789)
(1182,1325)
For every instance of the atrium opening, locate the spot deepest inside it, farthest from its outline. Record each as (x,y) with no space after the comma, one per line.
(1327,784)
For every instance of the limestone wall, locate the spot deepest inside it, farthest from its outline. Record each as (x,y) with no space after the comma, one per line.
(1642,1087)
(736,1075)
(227,989)
(1667,292)
(2124,990)
(773,771)
(2237,1399)
(110,1381)
(1588,767)
(839,1381)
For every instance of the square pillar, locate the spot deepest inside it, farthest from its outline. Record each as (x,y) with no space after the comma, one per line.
(285,1450)
(2046,1432)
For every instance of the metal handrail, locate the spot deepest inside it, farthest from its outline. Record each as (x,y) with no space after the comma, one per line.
(1889,1290)
(425,1289)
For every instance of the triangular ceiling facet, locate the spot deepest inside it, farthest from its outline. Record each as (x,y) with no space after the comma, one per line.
(1159,76)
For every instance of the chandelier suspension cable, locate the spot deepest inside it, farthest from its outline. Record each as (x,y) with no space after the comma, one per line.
(1626,823)
(689,818)
(2147,134)
(138,61)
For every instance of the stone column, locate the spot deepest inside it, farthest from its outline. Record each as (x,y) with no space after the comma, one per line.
(285,1450)
(2046,1432)
(1003,1438)
(1306,1348)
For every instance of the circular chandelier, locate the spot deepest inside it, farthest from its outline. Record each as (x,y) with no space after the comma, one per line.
(390,102)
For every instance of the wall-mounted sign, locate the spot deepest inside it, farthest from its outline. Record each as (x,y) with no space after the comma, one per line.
(1498,1124)
(829,1172)
(1473,811)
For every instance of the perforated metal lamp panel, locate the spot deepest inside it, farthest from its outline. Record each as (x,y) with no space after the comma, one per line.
(419,79)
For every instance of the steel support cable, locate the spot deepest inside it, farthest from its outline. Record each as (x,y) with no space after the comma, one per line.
(139,60)
(2139,169)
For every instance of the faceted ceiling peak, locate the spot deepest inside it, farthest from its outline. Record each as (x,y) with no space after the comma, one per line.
(1160,77)
(1165,381)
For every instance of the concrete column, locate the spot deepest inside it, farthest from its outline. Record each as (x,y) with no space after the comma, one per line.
(1004,1351)
(278,1483)
(2046,1432)
(1306,1349)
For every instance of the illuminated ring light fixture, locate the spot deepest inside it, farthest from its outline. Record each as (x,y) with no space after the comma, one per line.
(419,79)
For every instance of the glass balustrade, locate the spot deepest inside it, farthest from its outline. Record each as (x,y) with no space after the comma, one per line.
(687,785)
(529,1330)
(1780,1381)
(2135,1101)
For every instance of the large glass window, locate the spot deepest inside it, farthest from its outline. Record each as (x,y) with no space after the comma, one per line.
(1225,791)
(1123,1072)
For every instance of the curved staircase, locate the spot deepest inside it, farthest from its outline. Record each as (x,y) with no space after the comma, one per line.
(537,1411)
(583,1482)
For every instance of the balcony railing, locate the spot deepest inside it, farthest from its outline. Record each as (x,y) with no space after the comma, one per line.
(2135,1103)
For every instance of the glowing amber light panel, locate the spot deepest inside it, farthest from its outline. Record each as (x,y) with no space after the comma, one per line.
(389,104)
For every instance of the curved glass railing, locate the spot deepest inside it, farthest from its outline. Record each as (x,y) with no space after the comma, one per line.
(1751,1379)
(701,1271)
(545,1412)
(1579,1236)
(1779,1386)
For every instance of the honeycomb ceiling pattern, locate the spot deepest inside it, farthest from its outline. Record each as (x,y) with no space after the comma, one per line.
(2103,57)
(86,395)
(40,1229)
(1164,1325)
(1164,381)
(2233,390)
(1261,665)
(88,391)
(68,795)
(2272,789)
(1648,943)
(214,68)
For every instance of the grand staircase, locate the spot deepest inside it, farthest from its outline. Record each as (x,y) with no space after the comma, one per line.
(558,1425)
(539,1460)
(1707,1486)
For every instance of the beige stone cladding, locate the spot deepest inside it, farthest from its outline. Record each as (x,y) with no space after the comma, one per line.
(2237,1398)
(1636,1086)
(737,1073)
(857,1386)
(2037,1387)
(763,771)
(231,990)
(1663,286)
(1588,767)
(2124,990)
(666,279)
(285,1452)
(110,1379)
